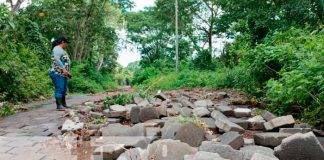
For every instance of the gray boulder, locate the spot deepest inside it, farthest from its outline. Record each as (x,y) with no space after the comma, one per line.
(191,134)
(300,147)
(69,125)
(249,151)
(109,152)
(148,113)
(222,122)
(132,154)
(203,103)
(268,115)
(295,130)
(209,123)
(113,120)
(186,103)
(169,150)
(241,122)
(144,103)
(256,123)
(234,139)
(242,112)
(201,112)
(223,150)
(161,96)
(258,156)
(134,114)
(170,128)
(202,155)
(186,112)
(114,114)
(172,112)
(270,139)
(162,110)
(284,121)
(226,110)
(117,108)
(121,130)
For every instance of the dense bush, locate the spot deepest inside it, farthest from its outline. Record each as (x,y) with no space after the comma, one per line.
(87,79)
(22,78)
(301,82)
(144,74)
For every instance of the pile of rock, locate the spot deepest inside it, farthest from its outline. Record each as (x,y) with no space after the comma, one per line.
(185,126)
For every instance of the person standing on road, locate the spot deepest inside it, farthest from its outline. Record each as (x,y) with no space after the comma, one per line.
(60,71)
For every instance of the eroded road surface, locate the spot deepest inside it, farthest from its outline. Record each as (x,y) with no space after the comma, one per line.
(191,124)
(35,134)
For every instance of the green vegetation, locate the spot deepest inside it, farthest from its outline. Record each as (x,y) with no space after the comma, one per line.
(7,110)
(25,51)
(274,52)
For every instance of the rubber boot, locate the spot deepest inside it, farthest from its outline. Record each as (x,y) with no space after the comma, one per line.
(59,105)
(64,102)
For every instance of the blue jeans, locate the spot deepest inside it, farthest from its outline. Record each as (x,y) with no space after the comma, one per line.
(60,83)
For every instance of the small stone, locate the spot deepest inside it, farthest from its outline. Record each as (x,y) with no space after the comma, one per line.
(134,114)
(283,121)
(226,110)
(170,128)
(221,95)
(144,103)
(242,112)
(113,120)
(302,125)
(130,106)
(121,130)
(117,108)
(69,125)
(172,112)
(154,123)
(148,113)
(256,123)
(234,139)
(222,122)
(132,154)
(201,112)
(114,114)
(248,141)
(238,101)
(138,99)
(186,112)
(203,103)
(258,156)
(202,155)
(270,139)
(169,150)
(241,122)
(300,147)
(108,151)
(223,150)
(176,105)
(191,134)
(186,103)
(209,123)
(162,110)
(268,115)
(89,104)
(84,109)
(295,130)
(161,96)
(249,151)
(96,114)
